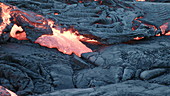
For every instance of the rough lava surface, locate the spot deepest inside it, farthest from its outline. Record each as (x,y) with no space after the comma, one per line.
(121,66)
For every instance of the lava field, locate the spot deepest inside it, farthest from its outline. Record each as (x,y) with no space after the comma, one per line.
(84,48)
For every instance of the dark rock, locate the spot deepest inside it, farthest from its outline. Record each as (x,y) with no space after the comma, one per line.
(100,75)
(132,88)
(99,61)
(128,74)
(148,74)
(146,54)
(128,88)
(155,11)
(79,63)
(61,75)
(137,74)
(29,69)
(88,55)
(163,79)
(70,92)
(46,71)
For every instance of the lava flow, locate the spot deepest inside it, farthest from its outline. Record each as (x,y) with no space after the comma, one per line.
(18,33)
(68,41)
(36,28)
(163,28)
(5,14)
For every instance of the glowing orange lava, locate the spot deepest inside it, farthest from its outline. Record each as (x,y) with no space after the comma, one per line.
(67,42)
(138,38)
(163,28)
(55,13)
(5,14)
(6,92)
(12,93)
(21,35)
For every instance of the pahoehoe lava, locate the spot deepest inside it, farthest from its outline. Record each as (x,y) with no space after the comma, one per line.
(85,47)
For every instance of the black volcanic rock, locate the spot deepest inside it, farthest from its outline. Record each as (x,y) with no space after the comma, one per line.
(128,88)
(148,74)
(34,71)
(144,54)
(145,59)
(131,68)
(97,76)
(107,24)
(157,15)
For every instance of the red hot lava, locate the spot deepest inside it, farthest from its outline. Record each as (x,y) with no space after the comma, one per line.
(162,27)
(67,42)
(18,33)
(6,92)
(5,14)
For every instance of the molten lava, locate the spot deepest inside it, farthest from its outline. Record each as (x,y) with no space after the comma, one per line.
(6,92)
(21,35)
(67,42)
(162,27)
(55,13)
(5,14)
(138,38)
